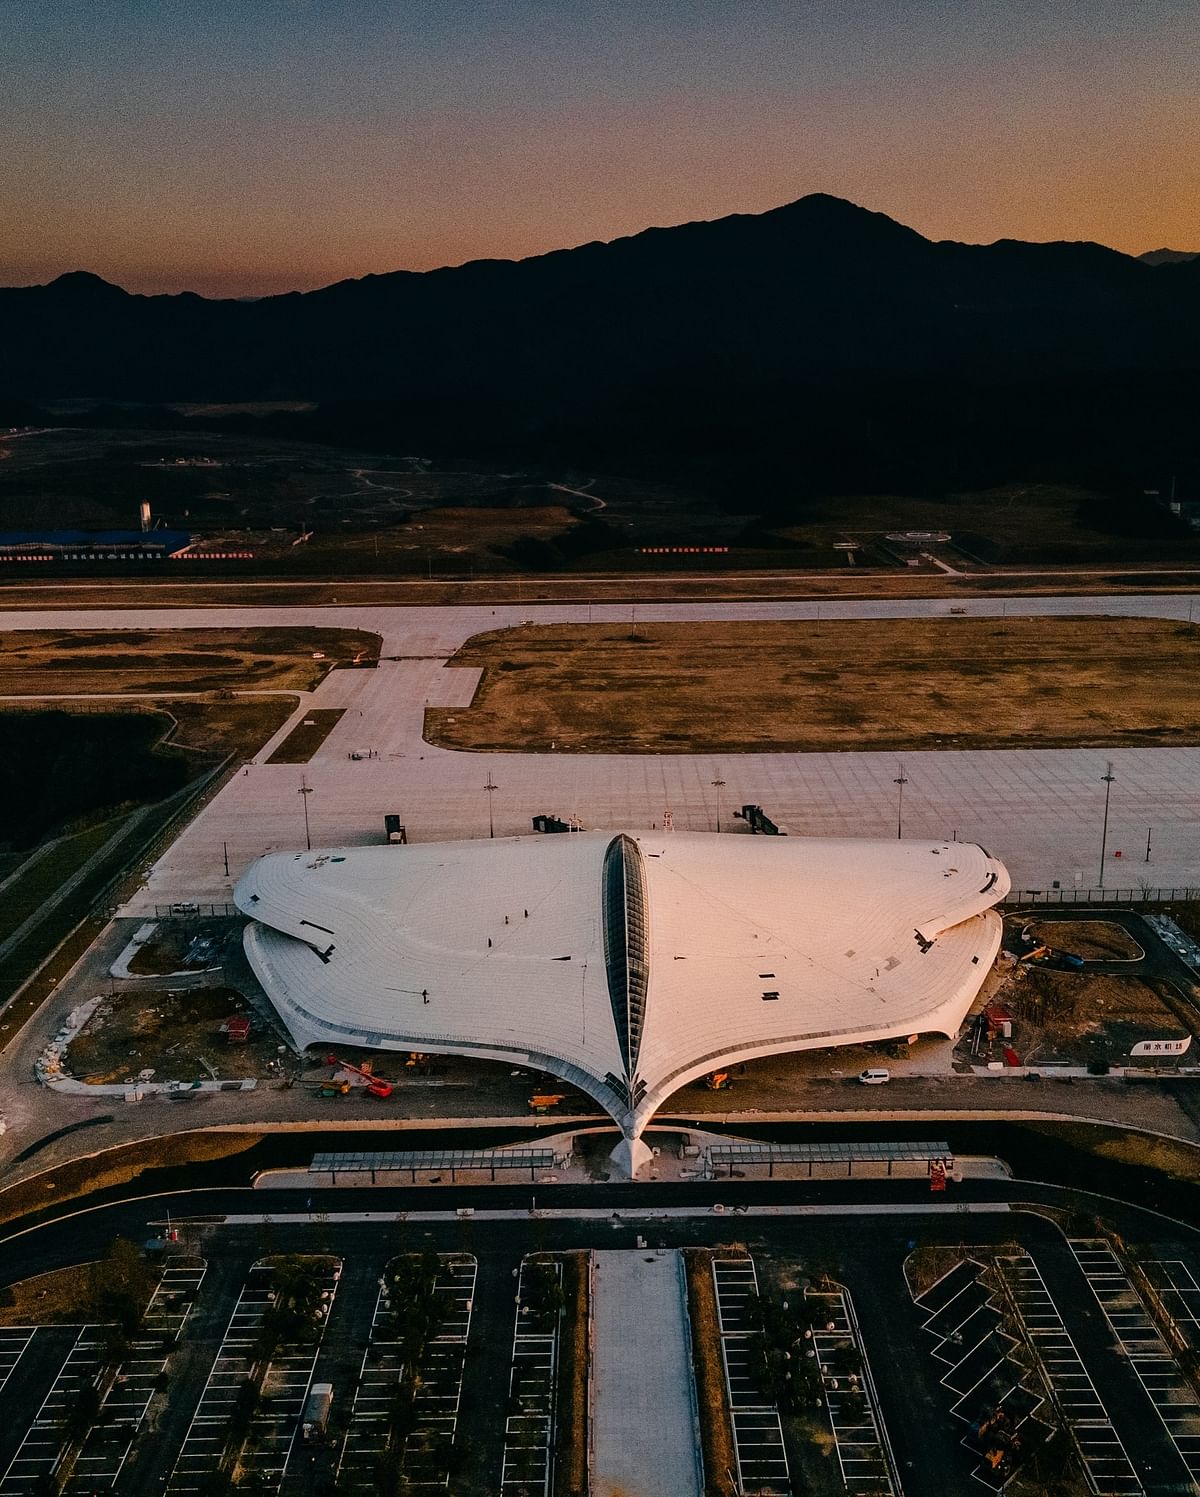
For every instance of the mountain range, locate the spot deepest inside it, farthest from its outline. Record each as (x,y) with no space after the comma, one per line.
(817,327)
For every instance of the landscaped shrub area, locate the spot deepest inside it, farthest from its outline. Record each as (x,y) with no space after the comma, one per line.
(414,1320)
(296,1314)
(716,1431)
(571,1454)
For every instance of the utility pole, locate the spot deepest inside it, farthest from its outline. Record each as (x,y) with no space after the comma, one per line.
(718,786)
(305,791)
(225,850)
(900,783)
(1108,777)
(1149,829)
(491,787)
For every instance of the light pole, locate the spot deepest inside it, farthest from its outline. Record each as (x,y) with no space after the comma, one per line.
(718,786)
(491,787)
(900,783)
(305,791)
(1108,777)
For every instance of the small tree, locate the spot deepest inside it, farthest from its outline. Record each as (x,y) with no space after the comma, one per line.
(120,1286)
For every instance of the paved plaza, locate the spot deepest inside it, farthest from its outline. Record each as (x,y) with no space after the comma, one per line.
(1038,810)
(644,1435)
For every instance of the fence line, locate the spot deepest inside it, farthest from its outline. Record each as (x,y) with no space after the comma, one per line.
(1099,896)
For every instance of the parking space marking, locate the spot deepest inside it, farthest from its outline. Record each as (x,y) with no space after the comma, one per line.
(426,1457)
(46,1439)
(859,1435)
(1110,1470)
(1173,1397)
(13,1341)
(106,1449)
(757,1432)
(285,1387)
(528,1461)
(1177,1288)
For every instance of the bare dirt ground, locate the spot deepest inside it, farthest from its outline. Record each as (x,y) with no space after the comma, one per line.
(1079,1018)
(74,662)
(175,1035)
(800,685)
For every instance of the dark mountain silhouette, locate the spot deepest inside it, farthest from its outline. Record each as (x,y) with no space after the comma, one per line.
(1168,257)
(818,331)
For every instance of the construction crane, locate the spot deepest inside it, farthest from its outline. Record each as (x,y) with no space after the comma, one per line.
(377,1086)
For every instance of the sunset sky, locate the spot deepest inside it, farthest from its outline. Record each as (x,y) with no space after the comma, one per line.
(239,147)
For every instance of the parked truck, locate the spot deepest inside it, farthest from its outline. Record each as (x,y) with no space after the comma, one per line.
(316,1413)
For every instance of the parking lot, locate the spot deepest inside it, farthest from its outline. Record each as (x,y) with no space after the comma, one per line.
(274,1425)
(1101,1448)
(13,1343)
(1173,1397)
(428,1450)
(106,1447)
(1177,1289)
(862,1449)
(485,1422)
(529,1428)
(47,1437)
(757,1431)
(979,1370)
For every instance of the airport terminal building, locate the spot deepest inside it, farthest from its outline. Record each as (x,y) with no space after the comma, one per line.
(626,964)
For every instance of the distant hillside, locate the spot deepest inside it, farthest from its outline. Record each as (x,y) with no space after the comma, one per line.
(1168,257)
(826,341)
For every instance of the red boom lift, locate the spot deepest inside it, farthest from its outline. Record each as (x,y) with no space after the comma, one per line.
(377,1086)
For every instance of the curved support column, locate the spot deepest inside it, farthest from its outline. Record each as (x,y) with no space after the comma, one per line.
(630,1157)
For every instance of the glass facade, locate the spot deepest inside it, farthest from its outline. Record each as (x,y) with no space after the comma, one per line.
(626,946)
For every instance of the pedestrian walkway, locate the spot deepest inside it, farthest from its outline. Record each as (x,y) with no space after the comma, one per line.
(644,1435)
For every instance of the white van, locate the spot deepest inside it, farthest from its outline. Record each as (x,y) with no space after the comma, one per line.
(874,1077)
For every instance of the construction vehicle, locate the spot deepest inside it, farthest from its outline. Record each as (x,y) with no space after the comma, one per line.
(377,1086)
(1050,956)
(717,1081)
(542,1102)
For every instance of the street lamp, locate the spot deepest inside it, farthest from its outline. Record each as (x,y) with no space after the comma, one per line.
(718,786)
(305,791)
(900,783)
(1108,777)
(491,787)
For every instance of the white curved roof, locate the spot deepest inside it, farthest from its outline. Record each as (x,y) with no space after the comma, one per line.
(626,964)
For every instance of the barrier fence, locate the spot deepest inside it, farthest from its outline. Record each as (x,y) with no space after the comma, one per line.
(191,911)
(1099,896)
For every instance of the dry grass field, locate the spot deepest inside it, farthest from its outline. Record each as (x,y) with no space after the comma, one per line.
(63,662)
(307,736)
(1094,940)
(796,685)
